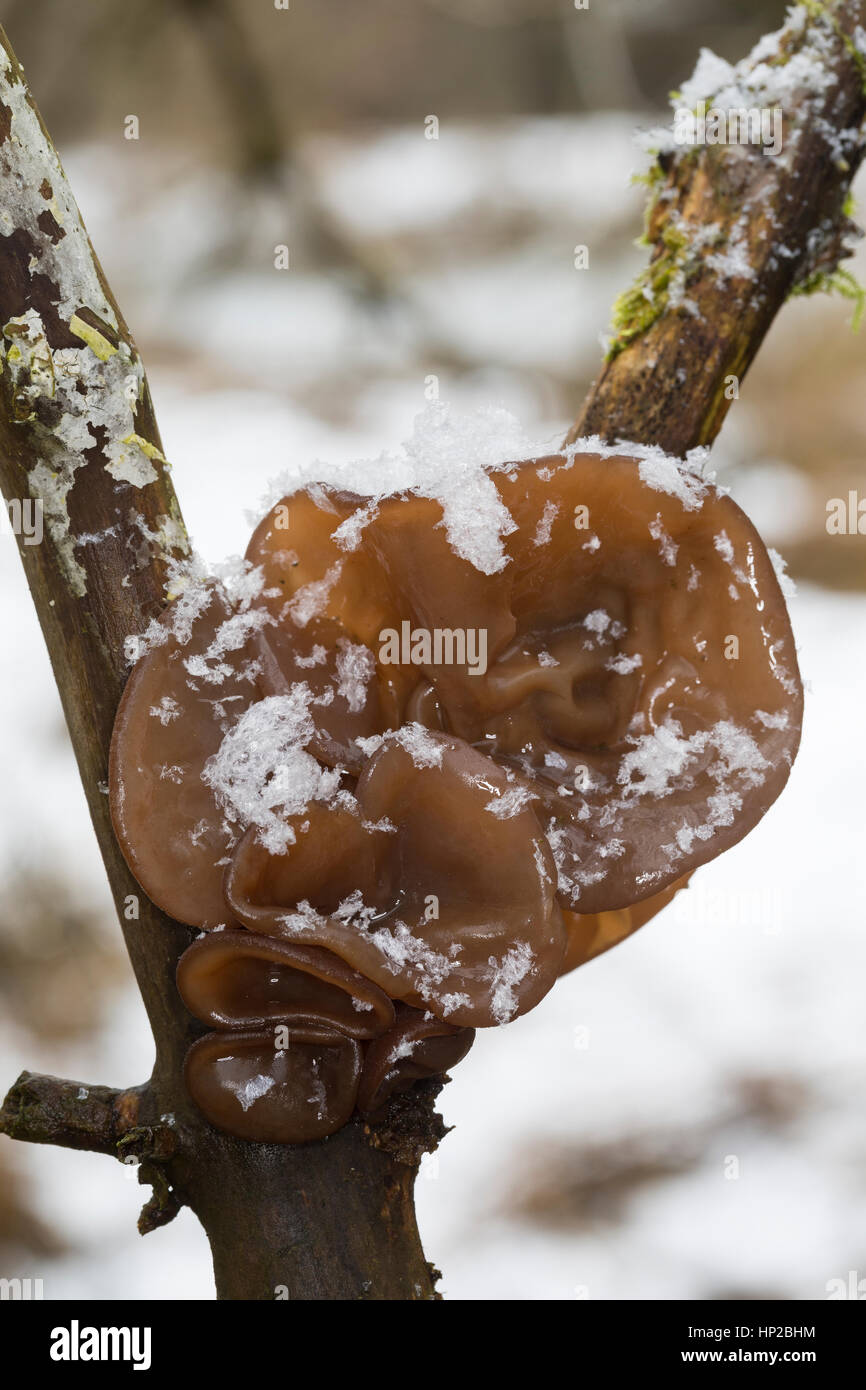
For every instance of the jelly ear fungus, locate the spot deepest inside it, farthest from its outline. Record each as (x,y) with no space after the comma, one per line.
(168,724)
(288,1021)
(446,837)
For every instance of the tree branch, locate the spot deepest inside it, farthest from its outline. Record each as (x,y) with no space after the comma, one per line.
(687,327)
(333,1220)
(46,1110)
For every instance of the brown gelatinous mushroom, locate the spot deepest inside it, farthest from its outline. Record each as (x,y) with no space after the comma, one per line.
(416,1047)
(641,678)
(341,676)
(592,934)
(238,979)
(546,746)
(693,660)
(440,887)
(277,1086)
(178,703)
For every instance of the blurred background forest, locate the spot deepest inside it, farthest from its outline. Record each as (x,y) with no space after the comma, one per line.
(684,1117)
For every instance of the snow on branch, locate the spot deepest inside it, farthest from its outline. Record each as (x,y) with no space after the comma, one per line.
(749,204)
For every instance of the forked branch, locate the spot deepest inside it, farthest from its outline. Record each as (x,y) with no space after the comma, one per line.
(732,232)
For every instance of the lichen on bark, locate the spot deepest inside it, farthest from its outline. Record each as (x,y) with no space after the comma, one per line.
(70,368)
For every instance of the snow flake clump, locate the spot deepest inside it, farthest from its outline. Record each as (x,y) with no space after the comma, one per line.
(312,598)
(261,772)
(248,1092)
(661,759)
(688,479)
(545,525)
(505,976)
(448,458)
(623,665)
(191,596)
(510,803)
(667,546)
(231,636)
(356,666)
(598,621)
(167,710)
(786,583)
(417,741)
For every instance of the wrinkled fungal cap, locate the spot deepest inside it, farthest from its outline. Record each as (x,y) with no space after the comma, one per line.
(247,1085)
(414,773)
(442,903)
(237,979)
(416,1047)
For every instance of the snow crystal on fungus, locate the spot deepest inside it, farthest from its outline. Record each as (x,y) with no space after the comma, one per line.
(664,756)
(448,458)
(687,479)
(505,977)
(261,772)
(356,666)
(510,803)
(786,583)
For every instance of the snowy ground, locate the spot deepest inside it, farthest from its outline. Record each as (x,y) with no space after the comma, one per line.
(720,1056)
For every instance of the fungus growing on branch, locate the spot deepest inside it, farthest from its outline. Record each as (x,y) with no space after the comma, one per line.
(438,756)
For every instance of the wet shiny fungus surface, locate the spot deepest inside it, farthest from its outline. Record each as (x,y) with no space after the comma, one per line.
(404,778)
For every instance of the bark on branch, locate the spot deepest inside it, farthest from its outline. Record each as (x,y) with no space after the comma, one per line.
(47,1110)
(333,1220)
(693,321)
